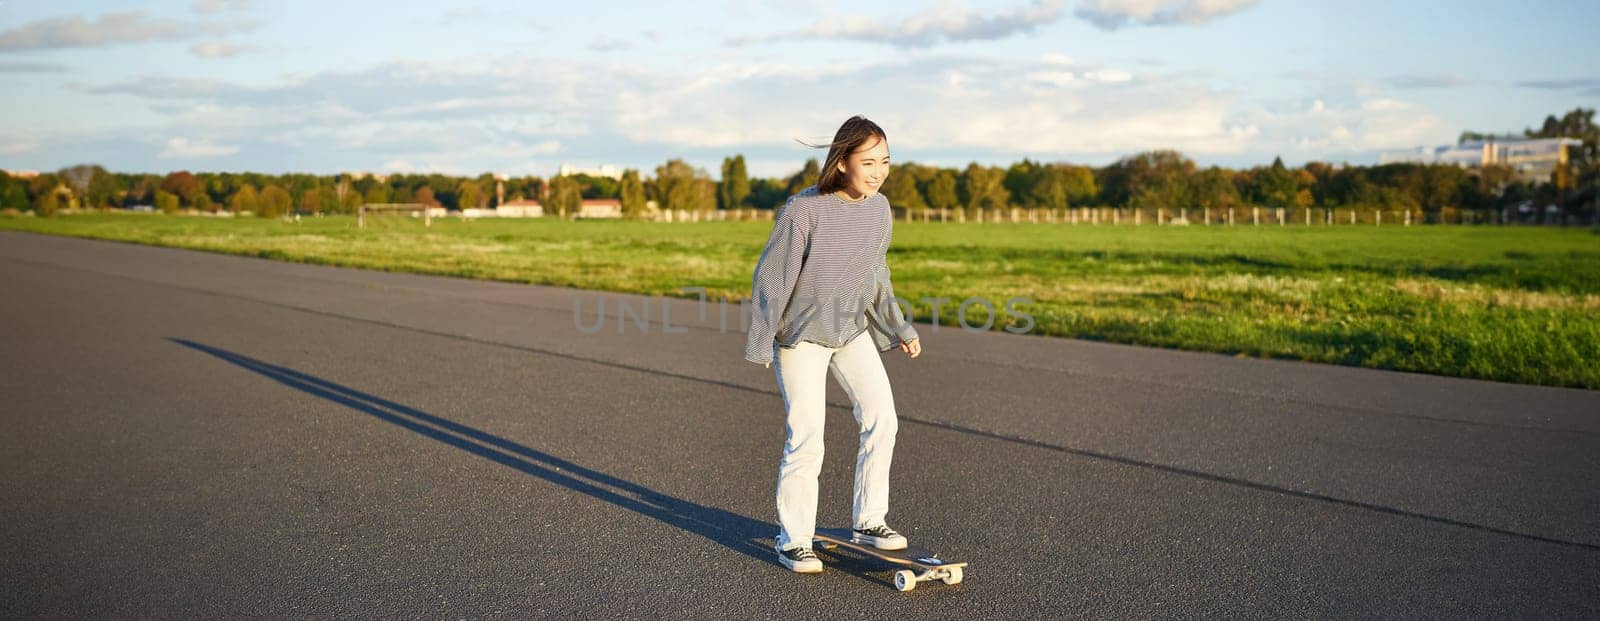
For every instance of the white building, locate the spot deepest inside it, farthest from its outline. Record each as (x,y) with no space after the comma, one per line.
(1532,159)
(605,170)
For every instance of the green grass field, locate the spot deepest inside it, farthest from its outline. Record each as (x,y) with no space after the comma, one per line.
(1510,304)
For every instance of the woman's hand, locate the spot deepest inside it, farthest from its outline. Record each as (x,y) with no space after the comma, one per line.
(912,347)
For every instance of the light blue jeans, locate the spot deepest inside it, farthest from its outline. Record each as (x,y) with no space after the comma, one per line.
(802,379)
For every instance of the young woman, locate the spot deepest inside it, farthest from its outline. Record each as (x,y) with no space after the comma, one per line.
(823,302)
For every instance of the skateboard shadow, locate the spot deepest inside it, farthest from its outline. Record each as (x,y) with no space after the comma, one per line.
(739,533)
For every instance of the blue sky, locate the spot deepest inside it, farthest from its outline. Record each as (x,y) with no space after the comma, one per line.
(520,88)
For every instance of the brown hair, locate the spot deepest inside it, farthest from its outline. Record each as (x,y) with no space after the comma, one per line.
(851,135)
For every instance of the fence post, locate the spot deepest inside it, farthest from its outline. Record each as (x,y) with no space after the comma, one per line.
(361,217)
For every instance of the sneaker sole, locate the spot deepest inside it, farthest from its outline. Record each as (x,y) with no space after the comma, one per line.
(809,569)
(879,543)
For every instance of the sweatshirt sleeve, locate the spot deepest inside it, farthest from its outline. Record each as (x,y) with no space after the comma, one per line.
(773,284)
(888,311)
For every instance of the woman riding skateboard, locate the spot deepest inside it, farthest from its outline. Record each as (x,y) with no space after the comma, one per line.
(822,302)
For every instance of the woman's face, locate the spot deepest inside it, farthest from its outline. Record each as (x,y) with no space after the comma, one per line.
(866,168)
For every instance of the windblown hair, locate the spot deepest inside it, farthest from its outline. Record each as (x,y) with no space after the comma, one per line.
(854,133)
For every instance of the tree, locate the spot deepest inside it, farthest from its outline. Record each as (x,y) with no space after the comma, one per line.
(424,196)
(274,202)
(632,195)
(1023,180)
(184,185)
(244,200)
(735,185)
(566,196)
(376,195)
(984,187)
(597,187)
(676,186)
(311,201)
(900,187)
(142,191)
(1275,186)
(1213,188)
(13,192)
(470,196)
(1441,186)
(1051,190)
(47,191)
(1149,179)
(350,201)
(166,201)
(807,177)
(91,181)
(1081,188)
(942,190)
(766,193)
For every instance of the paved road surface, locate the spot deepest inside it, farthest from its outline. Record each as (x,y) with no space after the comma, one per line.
(188,434)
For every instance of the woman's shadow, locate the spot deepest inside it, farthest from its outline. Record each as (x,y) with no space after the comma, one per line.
(742,534)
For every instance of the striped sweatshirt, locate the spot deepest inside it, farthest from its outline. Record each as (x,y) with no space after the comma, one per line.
(823,277)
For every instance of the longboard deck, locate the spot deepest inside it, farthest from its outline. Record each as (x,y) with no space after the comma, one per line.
(913,555)
(931,566)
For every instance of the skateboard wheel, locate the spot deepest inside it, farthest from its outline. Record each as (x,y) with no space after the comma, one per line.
(904,580)
(952,576)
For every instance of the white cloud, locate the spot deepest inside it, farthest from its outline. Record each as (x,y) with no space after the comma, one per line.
(1368,125)
(221,6)
(517,114)
(607,43)
(157,87)
(26,67)
(1114,14)
(1053,77)
(940,24)
(216,49)
(1110,76)
(17,146)
(183,148)
(109,29)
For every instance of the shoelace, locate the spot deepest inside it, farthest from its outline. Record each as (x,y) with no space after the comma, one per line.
(802,554)
(881,531)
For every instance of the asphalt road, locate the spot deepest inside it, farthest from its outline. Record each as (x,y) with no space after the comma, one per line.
(190,435)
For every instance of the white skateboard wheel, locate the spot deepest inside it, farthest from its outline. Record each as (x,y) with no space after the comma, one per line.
(905,580)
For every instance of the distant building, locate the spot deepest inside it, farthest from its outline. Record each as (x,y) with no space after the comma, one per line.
(21,174)
(605,170)
(600,208)
(521,208)
(1532,159)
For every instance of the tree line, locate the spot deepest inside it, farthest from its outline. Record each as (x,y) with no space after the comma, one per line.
(1153,179)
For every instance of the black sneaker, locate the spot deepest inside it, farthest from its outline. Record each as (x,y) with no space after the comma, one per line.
(800,559)
(880,537)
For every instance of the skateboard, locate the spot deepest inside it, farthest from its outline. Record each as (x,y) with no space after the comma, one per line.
(924,563)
